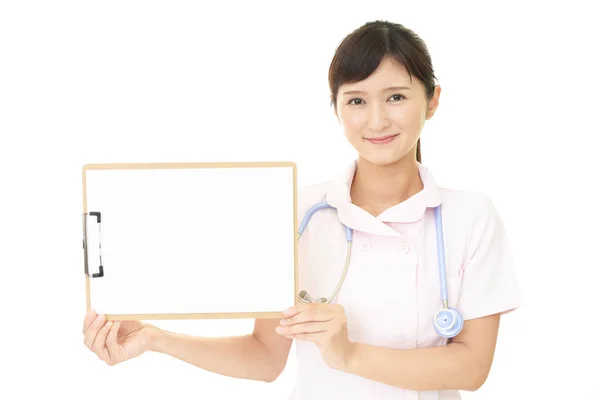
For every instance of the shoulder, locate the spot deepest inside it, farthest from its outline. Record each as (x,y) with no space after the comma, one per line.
(309,195)
(465,203)
(462,207)
(474,213)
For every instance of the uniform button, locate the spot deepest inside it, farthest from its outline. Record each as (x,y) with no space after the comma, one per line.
(404,247)
(366,246)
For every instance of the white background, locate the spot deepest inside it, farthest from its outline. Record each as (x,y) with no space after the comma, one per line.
(124,81)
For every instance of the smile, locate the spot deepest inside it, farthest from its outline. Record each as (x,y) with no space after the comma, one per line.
(382,140)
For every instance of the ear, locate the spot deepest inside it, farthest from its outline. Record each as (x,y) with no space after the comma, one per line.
(434,102)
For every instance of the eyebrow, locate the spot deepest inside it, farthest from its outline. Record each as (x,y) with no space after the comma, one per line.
(384,90)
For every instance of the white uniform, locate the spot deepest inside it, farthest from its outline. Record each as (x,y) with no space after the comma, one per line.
(392,288)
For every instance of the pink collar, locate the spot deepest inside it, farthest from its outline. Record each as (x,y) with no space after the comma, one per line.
(410,210)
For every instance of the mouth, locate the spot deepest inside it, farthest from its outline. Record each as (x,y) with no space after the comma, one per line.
(382,140)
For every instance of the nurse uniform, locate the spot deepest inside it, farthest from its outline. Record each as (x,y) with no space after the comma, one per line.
(392,290)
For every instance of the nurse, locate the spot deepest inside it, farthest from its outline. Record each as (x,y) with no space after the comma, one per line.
(376,337)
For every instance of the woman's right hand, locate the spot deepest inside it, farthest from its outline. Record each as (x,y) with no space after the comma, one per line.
(115,341)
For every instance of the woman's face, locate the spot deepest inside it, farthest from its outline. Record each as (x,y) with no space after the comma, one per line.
(382,116)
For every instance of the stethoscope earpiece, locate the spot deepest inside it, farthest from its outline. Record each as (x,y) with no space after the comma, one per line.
(304,297)
(448,322)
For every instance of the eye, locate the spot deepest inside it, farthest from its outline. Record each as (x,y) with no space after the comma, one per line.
(397,97)
(356,101)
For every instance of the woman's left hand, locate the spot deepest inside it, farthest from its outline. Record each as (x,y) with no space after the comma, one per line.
(323,324)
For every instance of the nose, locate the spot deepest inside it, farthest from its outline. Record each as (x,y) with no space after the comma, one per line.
(378,118)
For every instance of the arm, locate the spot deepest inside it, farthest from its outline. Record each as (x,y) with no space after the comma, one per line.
(261,355)
(463,364)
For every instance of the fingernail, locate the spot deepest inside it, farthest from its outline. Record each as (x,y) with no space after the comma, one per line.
(283,322)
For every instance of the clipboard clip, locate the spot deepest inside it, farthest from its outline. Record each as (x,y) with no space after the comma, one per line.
(98,216)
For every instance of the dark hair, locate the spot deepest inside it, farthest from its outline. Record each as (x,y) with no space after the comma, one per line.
(361,52)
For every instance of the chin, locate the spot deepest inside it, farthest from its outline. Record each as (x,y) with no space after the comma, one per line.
(382,159)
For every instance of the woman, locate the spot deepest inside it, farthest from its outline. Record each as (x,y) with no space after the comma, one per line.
(376,338)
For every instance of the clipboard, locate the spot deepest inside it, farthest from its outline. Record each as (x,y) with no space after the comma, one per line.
(200,240)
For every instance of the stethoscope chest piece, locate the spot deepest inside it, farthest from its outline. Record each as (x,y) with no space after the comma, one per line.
(448,322)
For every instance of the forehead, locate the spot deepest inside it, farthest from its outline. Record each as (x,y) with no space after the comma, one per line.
(388,73)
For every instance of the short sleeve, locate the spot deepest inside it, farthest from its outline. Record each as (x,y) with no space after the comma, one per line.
(489,282)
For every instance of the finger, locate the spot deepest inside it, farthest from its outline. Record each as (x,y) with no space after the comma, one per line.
(92,330)
(309,315)
(99,345)
(112,344)
(303,328)
(298,308)
(307,337)
(89,318)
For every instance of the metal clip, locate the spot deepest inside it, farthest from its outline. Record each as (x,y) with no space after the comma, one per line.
(98,216)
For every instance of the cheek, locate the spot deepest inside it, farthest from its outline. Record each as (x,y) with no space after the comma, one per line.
(353,125)
(410,118)
(401,116)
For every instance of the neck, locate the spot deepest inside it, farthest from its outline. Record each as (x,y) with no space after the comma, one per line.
(376,188)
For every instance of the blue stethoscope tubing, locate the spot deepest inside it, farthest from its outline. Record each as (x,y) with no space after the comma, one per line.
(447,322)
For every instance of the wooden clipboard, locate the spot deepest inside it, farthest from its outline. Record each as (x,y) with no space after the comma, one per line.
(143,221)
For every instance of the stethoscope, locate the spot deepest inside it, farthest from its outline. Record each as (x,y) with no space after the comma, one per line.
(447,322)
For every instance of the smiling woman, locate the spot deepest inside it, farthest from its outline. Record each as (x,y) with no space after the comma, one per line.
(378,337)
(398,55)
(373,112)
